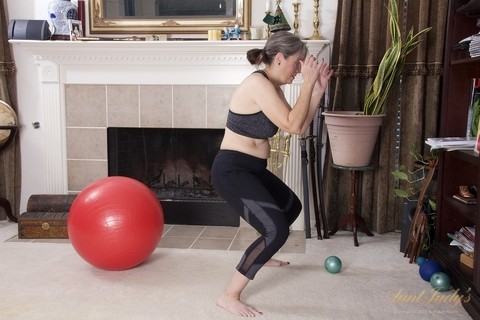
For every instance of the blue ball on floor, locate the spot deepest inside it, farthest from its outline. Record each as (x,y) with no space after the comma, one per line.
(333,264)
(428,268)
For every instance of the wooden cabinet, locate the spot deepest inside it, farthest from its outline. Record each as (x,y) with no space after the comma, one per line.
(458,167)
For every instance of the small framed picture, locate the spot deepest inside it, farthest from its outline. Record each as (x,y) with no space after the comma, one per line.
(76,30)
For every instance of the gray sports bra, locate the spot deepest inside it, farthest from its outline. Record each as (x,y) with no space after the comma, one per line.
(254,125)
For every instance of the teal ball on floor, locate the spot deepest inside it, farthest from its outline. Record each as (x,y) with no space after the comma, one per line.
(420,260)
(440,281)
(333,264)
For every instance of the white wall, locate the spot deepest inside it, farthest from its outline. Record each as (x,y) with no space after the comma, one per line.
(37,9)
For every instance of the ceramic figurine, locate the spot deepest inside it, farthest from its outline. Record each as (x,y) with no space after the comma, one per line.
(59,12)
(232,33)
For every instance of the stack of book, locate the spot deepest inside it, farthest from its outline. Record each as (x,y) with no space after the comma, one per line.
(452,143)
(474,47)
(464,239)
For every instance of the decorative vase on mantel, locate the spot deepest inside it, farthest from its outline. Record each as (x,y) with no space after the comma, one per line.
(352,137)
(59,14)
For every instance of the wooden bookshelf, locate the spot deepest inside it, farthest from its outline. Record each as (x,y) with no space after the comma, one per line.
(458,167)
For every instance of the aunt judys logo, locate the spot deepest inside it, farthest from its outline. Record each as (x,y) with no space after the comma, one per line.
(453,298)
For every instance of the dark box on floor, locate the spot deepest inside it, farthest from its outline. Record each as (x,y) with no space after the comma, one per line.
(46,217)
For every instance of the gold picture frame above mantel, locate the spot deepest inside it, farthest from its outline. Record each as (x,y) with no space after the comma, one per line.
(166,16)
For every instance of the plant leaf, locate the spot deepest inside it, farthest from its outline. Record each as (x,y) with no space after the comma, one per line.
(400,193)
(400,175)
(391,64)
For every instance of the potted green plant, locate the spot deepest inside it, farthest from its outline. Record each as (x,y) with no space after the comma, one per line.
(417,187)
(361,143)
(415,178)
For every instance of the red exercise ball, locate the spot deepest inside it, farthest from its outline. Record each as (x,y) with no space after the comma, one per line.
(115,223)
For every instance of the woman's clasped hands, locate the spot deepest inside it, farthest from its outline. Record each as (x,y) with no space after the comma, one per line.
(313,69)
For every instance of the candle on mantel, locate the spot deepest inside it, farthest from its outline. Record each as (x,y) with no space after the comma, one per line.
(81,14)
(267,6)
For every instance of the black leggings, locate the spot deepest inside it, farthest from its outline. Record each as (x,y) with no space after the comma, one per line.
(259,197)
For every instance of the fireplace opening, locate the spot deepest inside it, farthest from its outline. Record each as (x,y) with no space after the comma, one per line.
(176,165)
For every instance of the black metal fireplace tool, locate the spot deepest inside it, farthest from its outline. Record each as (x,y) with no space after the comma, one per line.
(312,176)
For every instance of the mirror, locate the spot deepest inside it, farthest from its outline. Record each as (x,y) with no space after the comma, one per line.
(166,16)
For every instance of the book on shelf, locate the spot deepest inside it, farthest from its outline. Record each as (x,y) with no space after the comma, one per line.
(474,45)
(469,232)
(473,109)
(465,200)
(477,140)
(452,143)
(464,239)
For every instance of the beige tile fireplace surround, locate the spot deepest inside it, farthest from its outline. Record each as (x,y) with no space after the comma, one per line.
(90,109)
(82,88)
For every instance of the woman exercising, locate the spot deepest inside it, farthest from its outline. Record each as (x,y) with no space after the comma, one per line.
(258,108)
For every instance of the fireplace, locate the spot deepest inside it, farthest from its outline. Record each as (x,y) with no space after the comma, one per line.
(176,165)
(74,91)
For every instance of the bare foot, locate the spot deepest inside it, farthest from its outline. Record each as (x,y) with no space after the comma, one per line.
(276,263)
(237,307)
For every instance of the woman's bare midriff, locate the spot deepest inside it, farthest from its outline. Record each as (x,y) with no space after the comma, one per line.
(259,148)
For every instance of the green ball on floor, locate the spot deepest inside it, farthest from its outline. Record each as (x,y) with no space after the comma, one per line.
(333,264)
(440,281)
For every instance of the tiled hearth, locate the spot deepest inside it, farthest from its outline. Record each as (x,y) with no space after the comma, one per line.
(74,90)
(208,238)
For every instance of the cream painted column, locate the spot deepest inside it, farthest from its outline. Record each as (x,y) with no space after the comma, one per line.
(292,172)
(55,166)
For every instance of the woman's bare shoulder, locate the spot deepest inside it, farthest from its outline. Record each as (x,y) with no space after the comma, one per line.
(252,77)
(249,91)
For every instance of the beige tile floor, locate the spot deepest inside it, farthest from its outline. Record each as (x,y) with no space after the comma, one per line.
(209,238)
(222,238)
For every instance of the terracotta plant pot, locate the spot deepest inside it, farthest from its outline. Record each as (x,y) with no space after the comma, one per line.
(352,137)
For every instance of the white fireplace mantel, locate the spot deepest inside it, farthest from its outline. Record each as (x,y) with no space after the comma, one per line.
(47,66)
(128,62)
